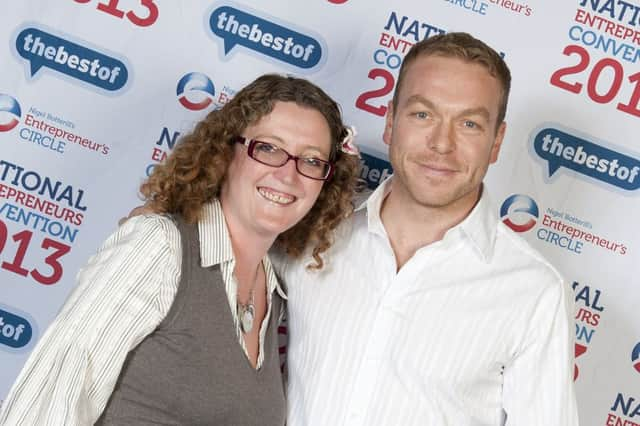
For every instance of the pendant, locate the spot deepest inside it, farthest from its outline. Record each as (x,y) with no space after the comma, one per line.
(245,315)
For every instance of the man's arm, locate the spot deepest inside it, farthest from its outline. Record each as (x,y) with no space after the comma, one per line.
(538,384)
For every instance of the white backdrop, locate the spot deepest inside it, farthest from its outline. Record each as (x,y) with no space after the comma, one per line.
(94,92)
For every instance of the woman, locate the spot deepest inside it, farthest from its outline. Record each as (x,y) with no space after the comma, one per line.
(174,320)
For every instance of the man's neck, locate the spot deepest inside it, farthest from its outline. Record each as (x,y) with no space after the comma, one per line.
(411,226)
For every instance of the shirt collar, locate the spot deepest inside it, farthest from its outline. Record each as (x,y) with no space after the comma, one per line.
(373,206)
(215,243)
(479,227)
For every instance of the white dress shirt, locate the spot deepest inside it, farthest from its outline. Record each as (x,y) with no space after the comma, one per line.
(122,295)
(471,325)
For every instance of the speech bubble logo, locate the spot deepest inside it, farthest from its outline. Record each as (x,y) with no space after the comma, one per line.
(15,331)
(374,170)
(236,27)
(562,149)
(42,49)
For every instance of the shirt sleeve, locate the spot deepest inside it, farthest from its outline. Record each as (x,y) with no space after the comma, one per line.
(538,384)
(122,294)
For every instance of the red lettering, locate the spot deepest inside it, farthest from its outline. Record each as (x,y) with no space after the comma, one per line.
(397,44)
(158,155)
(20,197)
(614,420)
(587,316)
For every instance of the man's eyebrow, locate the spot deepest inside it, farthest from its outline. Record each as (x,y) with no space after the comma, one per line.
(484,112)
(419,99)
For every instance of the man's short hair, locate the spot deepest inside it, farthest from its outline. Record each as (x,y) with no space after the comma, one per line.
(466,47)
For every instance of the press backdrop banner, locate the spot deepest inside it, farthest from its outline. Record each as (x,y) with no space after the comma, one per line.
(94,93)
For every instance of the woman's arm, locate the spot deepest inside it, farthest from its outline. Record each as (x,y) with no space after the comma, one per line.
(122,294)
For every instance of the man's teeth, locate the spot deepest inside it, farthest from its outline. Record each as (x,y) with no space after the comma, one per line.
(276,198)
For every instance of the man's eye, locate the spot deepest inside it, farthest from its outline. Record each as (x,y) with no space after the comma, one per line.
(421,115)
(470,124)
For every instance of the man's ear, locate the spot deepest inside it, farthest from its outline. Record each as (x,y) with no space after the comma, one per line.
(388,124)
(497,142)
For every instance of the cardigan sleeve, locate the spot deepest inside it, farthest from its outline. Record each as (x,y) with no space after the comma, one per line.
(122,294)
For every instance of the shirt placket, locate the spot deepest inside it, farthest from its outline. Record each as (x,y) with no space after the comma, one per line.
(371,365)
(375,354)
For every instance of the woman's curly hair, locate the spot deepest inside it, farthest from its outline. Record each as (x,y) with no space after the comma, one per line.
(193,173)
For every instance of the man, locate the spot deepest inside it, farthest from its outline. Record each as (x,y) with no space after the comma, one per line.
(429,310)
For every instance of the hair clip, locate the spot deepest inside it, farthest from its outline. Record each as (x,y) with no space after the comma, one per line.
(348,144)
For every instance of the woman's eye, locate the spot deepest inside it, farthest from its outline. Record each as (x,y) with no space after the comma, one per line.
(266,147)
(313,162)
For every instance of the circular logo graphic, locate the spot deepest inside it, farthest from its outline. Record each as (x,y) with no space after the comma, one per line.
(10,113)
(195,91)
(519,212)
(635,357)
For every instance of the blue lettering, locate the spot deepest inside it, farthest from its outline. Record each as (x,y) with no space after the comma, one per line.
(560,240)
(583,333)
(169,140)
(42,49)
(626,406)
(391,60)
(32,181)
(584,295)
(608,6)
(413,29)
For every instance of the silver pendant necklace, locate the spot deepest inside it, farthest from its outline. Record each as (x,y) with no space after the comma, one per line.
(246,313)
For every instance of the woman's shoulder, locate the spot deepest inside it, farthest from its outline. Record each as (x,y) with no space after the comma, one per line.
(160,226)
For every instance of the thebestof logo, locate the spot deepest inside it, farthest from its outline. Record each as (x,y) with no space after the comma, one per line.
(15,331)
(519,212)
(373,170)
(195,91)
(10,107)
(42,49)
(237,27)
(635,357)
(563,149)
